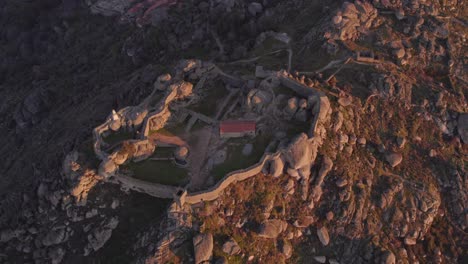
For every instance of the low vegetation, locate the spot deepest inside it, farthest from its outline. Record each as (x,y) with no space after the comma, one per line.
(211,98)
(117,137)
(162,172)
(235,160)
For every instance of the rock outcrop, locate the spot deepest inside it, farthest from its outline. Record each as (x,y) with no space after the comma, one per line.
(394,159)
(463,127)
(203,247)
(276,167)
(101,235)
(323,236)
(272,228)
(231,247)
(393,87)
(299,154)
(353,19)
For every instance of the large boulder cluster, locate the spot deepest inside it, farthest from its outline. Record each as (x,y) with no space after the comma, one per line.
(258,100)
(297,109)
(272,228)
(352,20)
(419,7)
(411,215)
(101,235)
(186,24)
(65,213)
(392,87)
(459,201)
(300,155)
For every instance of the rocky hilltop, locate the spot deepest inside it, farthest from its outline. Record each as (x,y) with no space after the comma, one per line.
(232,131)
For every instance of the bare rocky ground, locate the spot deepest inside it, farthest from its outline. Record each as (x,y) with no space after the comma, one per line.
(395,189)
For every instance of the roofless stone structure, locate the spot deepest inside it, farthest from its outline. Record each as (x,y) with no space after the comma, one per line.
(295,158)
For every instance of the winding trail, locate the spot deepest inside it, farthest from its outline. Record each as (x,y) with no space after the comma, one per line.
(159,138)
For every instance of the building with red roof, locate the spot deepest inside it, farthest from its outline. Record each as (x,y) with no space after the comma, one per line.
(237,128)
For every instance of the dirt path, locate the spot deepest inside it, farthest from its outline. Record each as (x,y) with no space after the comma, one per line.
(172,140)
(198,157)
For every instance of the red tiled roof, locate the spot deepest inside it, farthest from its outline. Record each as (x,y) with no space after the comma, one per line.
(237,126)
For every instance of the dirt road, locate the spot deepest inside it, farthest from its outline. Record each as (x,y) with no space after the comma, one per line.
(198,156)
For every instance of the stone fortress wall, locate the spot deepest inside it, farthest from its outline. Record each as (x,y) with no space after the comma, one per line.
(319,101)
(240,175)
(320,110)
(296,158)
(144,116)
(157,118)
